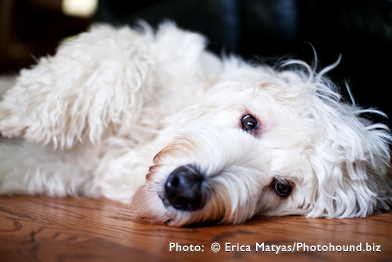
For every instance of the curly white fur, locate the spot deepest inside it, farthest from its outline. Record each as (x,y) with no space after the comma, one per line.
(115,105)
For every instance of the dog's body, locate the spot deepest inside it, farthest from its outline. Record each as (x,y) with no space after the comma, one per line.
(217,139)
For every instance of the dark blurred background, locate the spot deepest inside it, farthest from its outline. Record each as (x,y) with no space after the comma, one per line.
(260,30)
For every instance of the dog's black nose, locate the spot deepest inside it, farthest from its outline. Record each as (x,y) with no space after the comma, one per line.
(185,188)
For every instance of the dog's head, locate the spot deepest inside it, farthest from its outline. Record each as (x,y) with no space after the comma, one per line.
(271,143)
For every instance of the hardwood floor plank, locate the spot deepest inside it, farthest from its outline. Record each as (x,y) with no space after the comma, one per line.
(67,229)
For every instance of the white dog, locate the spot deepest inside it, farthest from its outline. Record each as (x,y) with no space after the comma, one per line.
(153,119)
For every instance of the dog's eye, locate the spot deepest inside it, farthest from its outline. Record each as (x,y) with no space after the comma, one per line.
(249,123)
(283,189)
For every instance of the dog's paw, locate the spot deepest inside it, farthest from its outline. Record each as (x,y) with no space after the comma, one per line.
(23,114)
(41,108)
(39,113)
(12,123)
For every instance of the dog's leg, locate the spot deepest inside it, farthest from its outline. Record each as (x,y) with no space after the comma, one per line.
(101,83)
(85,170)
(93,85)
(30,169)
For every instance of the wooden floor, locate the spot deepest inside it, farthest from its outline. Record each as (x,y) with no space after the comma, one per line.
(66,229)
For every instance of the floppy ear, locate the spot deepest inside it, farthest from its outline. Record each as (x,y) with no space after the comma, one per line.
(350,162)
(350,155)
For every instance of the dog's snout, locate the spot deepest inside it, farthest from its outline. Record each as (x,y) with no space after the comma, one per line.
(185,188)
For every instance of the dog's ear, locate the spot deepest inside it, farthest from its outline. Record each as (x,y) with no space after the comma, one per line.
(350,160)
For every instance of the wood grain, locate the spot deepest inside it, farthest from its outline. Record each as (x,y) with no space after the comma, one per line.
(67,229)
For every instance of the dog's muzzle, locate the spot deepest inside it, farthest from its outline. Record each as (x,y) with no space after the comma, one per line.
(186,188)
